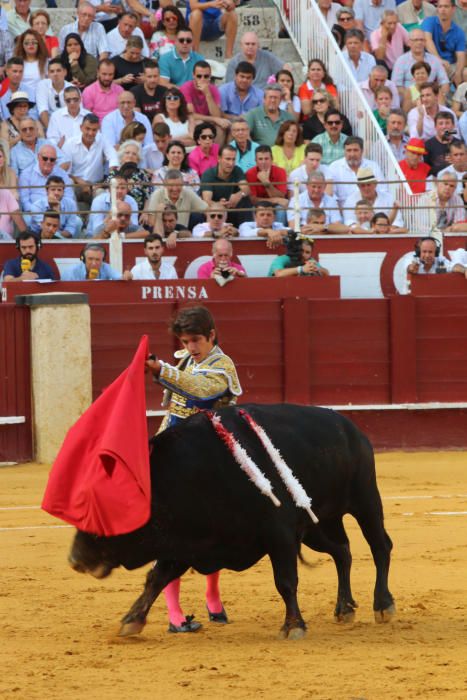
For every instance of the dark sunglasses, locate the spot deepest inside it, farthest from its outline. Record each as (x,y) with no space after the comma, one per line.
(47,159)
(202,75)
(27,128)
(334,123)
(345,19)
(185,40)
(216,216)
(203,137)
(318,102)
(57,101)
(71,99)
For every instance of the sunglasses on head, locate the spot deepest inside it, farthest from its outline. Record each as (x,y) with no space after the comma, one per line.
(172,97)
(185,40)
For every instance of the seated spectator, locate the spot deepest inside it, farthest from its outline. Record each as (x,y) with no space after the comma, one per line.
(240,95)
(161,134)
(265,225)
(344,171)
(121,224)
(18,106)
(129,157)
(149,94)
(383,107)
(458,164)
(369,15)
(345,20)
(165,33)
(109,18)
(395,132)
(216,224)
(9,214)
(380,201)
(91,32)
(359,61)
(91,266)
(315,223)
(268,182)
(265,62)
(445,39)
(363,215)
(174,113)
(437,148)
(421,119)
(401,74)
(66,121)
(389,40)
(127,28)
(27,266)
(166,225)
(17,18)
(206,153)
(221,266)
(55,200)
(311,162)
(411,13)
(317,79)
(113,122)
(332,140)
(176,193)
(24,154)
(81,66)
(298,261)
(208,23)
(14,70)
(203,99)
(427,259)
(50,92)
(459,100)
(151,157)
(226,183)
(8,177)
(446,208)
(290,101)
(289,150)
(329,11)
(421,74)
(265,121)
(101,97)
(154,267)
(245,148)
(50,226)
(413,167)
(176,66)
(129,65)
(40,22)
(321,102)
(32,181)
(101,204)
(378,78)
(315,197)
(176,159)
(32,49)
(463,127)
(381,225)
(459,261)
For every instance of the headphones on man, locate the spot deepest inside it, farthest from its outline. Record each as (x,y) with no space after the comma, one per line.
(28,234)
(92,246)
(427,238)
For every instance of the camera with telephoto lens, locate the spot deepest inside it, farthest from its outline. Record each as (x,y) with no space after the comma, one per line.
(225,273)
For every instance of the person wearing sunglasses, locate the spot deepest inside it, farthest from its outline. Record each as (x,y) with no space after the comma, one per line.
(446,40)
(216,224)
(332,140)
(204,99)
(66,121)
(321,102)
(174,113)
(164,37)
(206,153)
(32,181)
(18,107)
(318,78)
(177,65)
(24,154)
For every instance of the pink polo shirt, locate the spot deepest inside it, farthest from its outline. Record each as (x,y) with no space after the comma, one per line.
(100,101)
(197,99)
(394,47)
(199,162)
(8,204)
(205,270)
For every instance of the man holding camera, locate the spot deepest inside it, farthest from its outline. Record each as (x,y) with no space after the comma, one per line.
(437,148)
(221,265)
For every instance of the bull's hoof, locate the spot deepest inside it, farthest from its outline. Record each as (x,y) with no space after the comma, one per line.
(345,618)
(129,629)
(294,633)
(386,615)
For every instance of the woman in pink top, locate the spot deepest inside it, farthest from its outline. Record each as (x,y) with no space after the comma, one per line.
(206,153)
(11,213)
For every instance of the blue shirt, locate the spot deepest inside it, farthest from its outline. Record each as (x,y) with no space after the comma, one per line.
(68,222)
(175,70)
(231,102)
(210,12)
(21,157)
(6,98)
(78,273)
(99,208)
(446,43)
(42,270)
(245,160)
(32,184)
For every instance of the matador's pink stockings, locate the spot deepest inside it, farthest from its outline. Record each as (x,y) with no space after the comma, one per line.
(172,598)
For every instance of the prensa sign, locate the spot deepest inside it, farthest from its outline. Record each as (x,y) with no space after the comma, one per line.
(173,292)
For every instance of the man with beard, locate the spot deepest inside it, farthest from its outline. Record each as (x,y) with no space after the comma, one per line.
(344,171)
(27,265)
(101,97)
(154,267)
(395,132)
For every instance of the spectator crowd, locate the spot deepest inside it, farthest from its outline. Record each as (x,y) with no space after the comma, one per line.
(195,149)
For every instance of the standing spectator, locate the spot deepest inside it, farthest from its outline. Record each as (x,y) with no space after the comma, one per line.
(19,18)
(32,181)
(127,27)
(359,61)
(332,140)
(81,66)
(317,79)
(458,164)
(208,22)
(240,95)
(66,121)
(216,225)
(154,267)
(379,78)
(268,182)
(50,91)
(265,62)
(402,71)
(446,40)
(389,40)
(164,37)
(321,102)
(421,119)
(226,183)
(101,97)
(31,48)
(437,155)
(55,200)
(413,167)
(395,129)
(149,94)
(411,13)
(344,171)
(204,100)
(92,33)
(174,113)
(129,65)
(315,197)
(289,150)
(40,22)
(206,153)
(113,122)
(24,155)
(221,266)
(176,159)
(265,121)
(176,66)
(245,148)
(370,14)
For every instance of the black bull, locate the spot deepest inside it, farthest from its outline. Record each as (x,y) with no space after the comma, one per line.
(206,514)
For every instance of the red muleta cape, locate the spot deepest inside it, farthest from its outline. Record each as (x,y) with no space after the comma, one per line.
(100,481)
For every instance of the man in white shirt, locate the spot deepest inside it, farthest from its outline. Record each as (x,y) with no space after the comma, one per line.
(154,267)
(50,91)
(344,171)
(369,13)
(360,62)
(264,225)
(311,162)
(115,121)
(315,198)
(92,33)
(117,38)
(380,201)
(66,121)
(421,119)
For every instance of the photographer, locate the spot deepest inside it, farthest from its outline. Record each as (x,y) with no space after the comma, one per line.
(221,267)
(437,148)
(427,259)
(299,261)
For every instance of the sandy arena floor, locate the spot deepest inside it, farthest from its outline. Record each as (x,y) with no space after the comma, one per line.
(56,638)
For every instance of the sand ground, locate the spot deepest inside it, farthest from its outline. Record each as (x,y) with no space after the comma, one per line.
(57,634)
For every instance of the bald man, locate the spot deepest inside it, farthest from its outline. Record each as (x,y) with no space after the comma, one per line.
(113,123)
(265,62)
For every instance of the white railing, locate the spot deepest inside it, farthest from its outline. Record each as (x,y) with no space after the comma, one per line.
(313,39)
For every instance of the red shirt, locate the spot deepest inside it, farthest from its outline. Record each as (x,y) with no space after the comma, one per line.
(277,175)
(418,173)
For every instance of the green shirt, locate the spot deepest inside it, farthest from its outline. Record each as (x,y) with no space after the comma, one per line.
(221,189)
(331,151)
(283,261)
(262,128)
